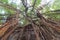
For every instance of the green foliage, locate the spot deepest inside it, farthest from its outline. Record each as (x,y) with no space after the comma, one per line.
(52,11)
(5,1)
(56,4)
(37,3)
(46,11)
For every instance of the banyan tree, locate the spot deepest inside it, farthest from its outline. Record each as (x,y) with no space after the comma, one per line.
(36,26)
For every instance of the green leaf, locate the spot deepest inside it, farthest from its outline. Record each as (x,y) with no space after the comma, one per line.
(5,1)
(37,2)
(56,4)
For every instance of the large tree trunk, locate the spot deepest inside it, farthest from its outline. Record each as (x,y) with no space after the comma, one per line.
(45,30)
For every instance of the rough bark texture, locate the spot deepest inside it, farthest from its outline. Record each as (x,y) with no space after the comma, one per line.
(45,30)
